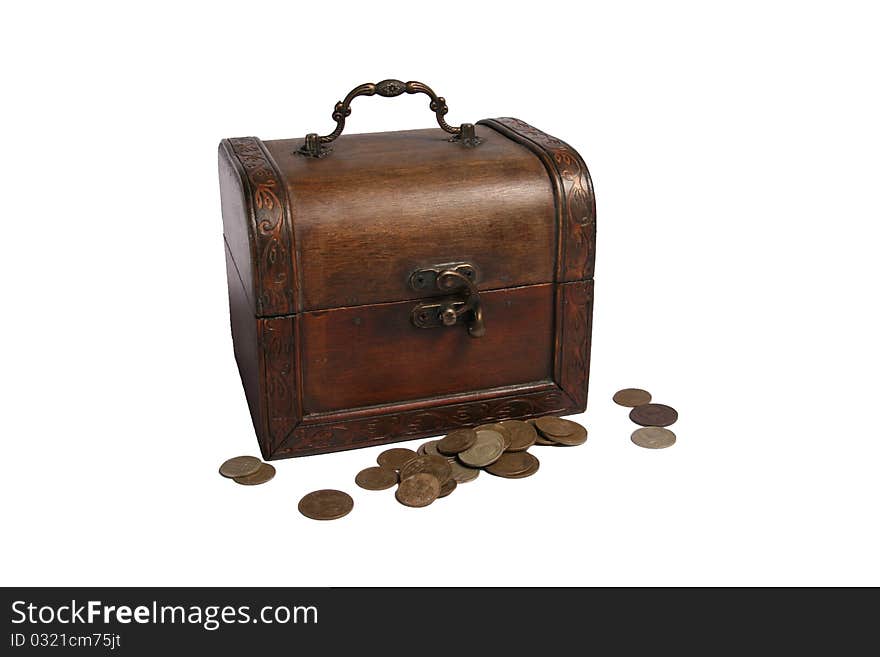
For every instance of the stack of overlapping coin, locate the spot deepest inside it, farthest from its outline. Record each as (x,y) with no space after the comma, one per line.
(247,470)
(653,418)
(438,466)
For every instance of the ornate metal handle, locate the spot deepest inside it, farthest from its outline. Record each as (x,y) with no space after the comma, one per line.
(315,145)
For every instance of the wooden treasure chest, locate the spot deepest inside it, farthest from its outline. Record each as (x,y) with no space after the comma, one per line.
(397,285)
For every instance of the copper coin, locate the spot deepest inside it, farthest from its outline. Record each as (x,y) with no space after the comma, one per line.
(552,426)
(419,490)
(522,435)
(631,397)
(462,473)
(449,486)
(653,437)
(326,505)
(376,478)
(527,473)
(240,466)
(488,449)
(497,427)
(457,441)
(511,464)
(654,415)
(430,448)
(421,450)
(261,476)
(540,440)
(577,437)
(395,457)
(437,466)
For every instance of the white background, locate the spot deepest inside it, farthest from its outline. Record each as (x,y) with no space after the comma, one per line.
(734,150)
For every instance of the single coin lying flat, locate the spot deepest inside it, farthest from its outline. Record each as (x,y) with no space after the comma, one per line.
(395,458)
(326,504)
(653,437)
(632,397)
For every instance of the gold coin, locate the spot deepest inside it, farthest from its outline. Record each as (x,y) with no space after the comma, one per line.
(240,466)
(522,435)
(653,437)
(261,476)
(488,449)
(457,441)
(450,485)
(376,478)
(395,457)
(631,397)
(418,490)
(498,428)
(511,464)
(437,466)
(326,505)
(462,473)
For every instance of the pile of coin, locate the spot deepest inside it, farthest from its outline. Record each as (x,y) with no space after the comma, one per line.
(653,418)
(247,470)
(437,467)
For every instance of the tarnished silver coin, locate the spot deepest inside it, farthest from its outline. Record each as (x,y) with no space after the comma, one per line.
(653,437)
(488,449)
(240,466)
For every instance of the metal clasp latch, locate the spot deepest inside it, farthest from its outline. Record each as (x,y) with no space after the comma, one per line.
(458,278)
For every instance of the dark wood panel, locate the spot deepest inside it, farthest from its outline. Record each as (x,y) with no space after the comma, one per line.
(383,205)
(365,356)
